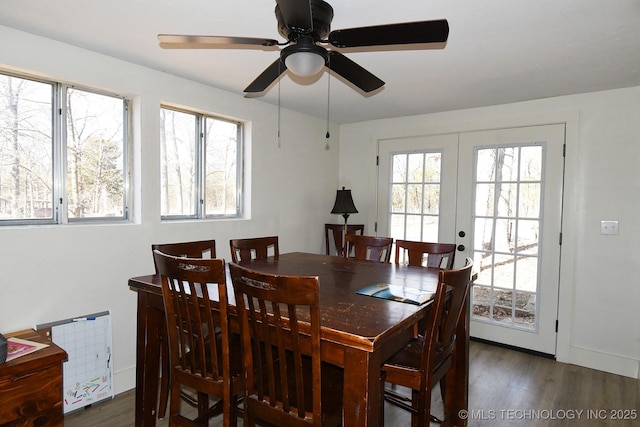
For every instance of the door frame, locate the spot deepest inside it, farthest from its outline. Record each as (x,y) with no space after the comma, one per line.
(479,120)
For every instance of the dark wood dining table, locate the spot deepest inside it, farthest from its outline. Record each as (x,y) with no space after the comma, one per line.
(358,332)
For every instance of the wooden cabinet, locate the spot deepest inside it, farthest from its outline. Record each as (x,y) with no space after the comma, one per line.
(31,385)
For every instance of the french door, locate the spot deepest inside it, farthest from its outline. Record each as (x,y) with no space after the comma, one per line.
(498,195)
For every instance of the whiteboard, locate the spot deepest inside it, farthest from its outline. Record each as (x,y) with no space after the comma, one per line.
(88,371)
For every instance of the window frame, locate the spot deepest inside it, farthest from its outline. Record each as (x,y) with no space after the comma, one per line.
(200,159)
(59,193)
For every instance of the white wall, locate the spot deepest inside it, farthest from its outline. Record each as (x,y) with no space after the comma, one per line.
(56,272)
(600,278)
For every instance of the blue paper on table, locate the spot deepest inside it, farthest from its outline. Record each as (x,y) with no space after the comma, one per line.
(397,293)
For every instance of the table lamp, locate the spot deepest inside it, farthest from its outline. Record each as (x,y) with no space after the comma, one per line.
(344,205)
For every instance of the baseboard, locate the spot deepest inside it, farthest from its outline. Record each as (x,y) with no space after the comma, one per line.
(124,380)
(512,347)
(607,362)
(586,358)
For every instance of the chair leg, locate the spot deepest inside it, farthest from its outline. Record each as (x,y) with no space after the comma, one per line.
(203,409)
(164,379)
(230,412)
(174,404)
(422,403)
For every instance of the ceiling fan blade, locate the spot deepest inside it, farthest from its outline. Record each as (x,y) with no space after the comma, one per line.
(392,34)
(353,72)
(268,76)
(177,41)
(296,14)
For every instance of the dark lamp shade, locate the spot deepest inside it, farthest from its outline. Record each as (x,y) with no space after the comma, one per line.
(344,203)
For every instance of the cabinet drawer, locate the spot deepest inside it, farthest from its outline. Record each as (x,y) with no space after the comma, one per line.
(32,398)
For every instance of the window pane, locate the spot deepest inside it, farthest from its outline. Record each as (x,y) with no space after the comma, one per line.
(178,139)
(95,155)
(26,147)
(221,177)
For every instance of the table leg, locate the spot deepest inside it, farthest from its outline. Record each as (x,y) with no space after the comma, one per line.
(362,373)
(459,397)
(147,360)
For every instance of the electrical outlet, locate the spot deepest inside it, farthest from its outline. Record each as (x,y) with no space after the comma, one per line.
(609,227)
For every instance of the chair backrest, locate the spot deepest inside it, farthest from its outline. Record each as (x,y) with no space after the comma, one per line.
(197,249)
(253,248)
(368,248)
(333,236)
(185,290)
(279,322)
(440,334)
(426,254)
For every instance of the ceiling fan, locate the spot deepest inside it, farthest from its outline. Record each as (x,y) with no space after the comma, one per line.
(306,24)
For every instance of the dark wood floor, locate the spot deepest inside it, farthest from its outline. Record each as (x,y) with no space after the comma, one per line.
(506,388)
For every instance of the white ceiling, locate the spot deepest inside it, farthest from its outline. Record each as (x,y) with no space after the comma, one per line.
(499,51)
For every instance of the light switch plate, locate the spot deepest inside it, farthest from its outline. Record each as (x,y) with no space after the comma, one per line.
(609,227)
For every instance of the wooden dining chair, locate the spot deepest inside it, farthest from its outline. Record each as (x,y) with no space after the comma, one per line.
(254,248)
(425,254)
(428,359)
(334,239)
(195,249)
(368,248)
(286,382)
(210,366)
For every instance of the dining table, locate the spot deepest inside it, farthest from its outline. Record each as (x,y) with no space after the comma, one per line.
(358,332)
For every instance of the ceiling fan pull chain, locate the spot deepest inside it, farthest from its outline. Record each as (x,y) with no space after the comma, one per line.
(279,72)
(328,101)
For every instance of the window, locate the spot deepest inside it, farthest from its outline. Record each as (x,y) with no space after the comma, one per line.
(200,155)
(63,153)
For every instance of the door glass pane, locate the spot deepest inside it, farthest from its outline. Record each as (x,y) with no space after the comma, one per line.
(413,227)
(529,202)
(527,237)
(481,296)
(396,225)
(525,309)
(507,198)
(430,228)
(531,169)
(398,198)
(484,202)
(431,198)
(414,198)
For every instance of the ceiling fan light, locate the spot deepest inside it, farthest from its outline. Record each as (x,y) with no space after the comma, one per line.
(304,64)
